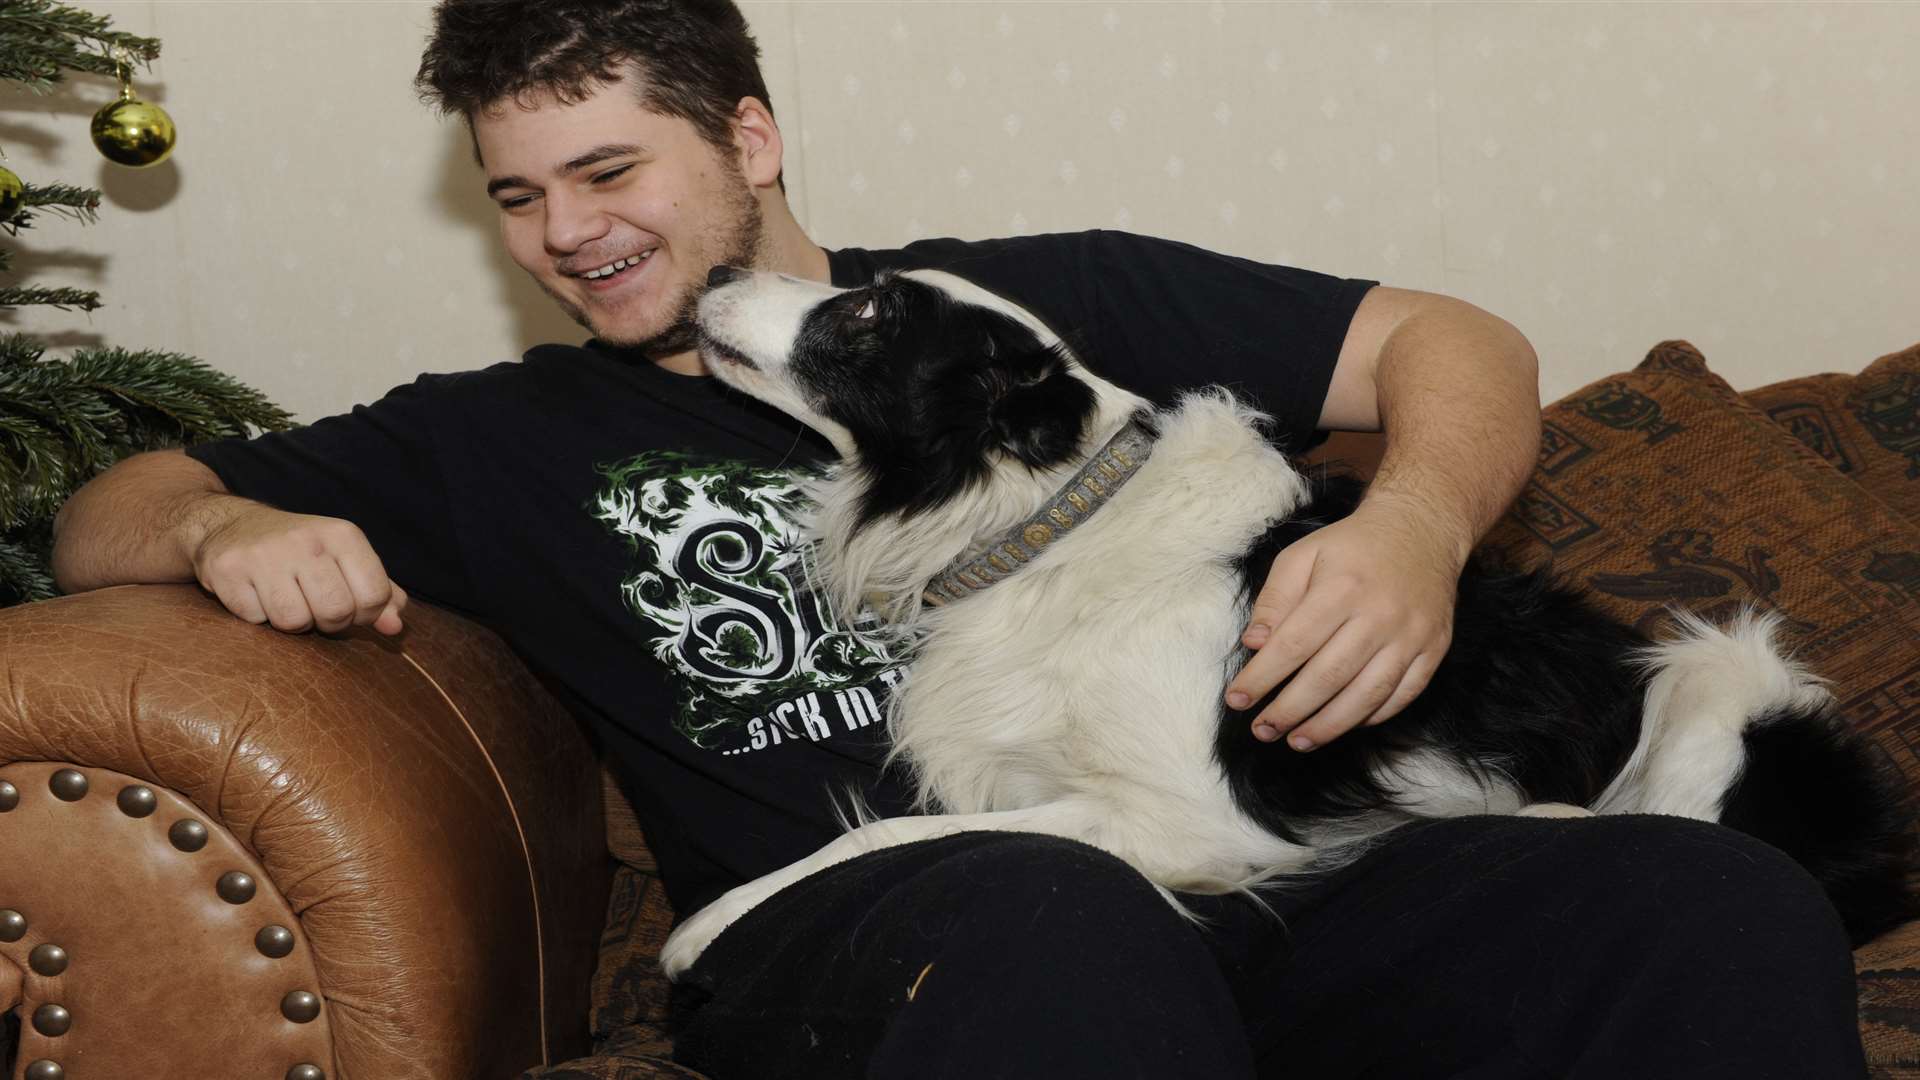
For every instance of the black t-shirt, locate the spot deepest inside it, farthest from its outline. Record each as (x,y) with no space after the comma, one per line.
(630,531)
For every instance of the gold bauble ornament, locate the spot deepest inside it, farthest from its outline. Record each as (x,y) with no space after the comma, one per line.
(130,131)
(12,194)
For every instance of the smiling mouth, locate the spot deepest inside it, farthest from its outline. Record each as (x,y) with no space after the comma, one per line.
(617,268)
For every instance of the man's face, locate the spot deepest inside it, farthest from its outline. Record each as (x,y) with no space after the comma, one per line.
(582,187)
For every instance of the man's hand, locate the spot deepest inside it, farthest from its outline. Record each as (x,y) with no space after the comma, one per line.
(1360,614)
(297,572)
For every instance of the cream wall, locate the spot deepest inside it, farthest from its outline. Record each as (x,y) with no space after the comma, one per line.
(1602,175)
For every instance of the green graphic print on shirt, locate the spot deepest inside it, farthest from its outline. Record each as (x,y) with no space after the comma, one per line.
(718,574)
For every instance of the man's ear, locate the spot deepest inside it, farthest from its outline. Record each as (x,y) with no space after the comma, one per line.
(761,148)
(1041,415)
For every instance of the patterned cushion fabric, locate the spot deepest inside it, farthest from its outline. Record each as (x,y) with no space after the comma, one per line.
(1867,425)
(1663,486)
(1655,487)
(629,991)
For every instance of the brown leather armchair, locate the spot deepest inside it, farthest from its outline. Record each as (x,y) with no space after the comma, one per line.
(230,852)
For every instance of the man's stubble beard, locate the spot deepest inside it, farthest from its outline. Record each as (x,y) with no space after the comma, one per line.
(742,245)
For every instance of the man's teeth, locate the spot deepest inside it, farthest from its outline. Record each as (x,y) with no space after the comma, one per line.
(616,267)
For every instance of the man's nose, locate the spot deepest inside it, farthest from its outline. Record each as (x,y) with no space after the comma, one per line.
(720,275)
(572,224)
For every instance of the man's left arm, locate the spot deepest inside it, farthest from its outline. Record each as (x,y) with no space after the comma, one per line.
(1360,613)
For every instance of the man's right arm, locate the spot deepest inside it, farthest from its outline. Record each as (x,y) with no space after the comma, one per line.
(163,516)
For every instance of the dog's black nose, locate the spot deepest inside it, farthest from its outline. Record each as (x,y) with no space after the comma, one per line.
(720,275)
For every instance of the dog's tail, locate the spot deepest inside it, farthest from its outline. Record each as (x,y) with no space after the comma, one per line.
(1735,732)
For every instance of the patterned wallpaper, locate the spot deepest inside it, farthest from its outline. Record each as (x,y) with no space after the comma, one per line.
(1602,175)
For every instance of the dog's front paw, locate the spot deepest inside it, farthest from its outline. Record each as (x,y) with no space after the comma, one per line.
(692,937)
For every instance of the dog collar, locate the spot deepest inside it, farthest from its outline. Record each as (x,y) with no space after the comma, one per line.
(1110,468)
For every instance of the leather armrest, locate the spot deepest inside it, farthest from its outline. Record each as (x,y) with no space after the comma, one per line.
(424,810)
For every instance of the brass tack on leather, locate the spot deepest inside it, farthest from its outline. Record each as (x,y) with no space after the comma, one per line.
(9,796)
(13,925)
(235,887)
(46,1070)
(47,959)
(306,1072)
(52,1020)
(68,785)
(300,1006)
(188,835)
(136,801)
(274,941)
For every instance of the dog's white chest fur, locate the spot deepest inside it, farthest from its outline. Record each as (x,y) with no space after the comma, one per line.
(1094,675)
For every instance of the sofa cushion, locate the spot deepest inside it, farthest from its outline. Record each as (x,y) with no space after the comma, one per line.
(1867,426)
(1663,486)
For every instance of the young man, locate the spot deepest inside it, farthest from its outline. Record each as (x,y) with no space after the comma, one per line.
(626,524)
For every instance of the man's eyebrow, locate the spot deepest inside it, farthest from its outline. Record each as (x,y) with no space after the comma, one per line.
(592,157)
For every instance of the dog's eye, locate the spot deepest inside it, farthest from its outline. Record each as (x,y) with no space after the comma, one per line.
(866,310)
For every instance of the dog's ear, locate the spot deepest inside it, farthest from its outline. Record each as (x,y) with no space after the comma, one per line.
(1041,409)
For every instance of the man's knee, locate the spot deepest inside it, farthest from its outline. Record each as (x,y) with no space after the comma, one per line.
(1668,861)
(1042,883)
(1699,888)
(1037,863)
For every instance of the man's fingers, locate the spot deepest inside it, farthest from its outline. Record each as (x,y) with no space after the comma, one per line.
(328,597)
(388,621)
(1324,675)
(1418,675)
(1297,640)
(1286,584)
(372,591)
(239,598)
(284,603)
(1362,697)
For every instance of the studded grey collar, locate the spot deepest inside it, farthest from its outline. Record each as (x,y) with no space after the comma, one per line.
(1110,467)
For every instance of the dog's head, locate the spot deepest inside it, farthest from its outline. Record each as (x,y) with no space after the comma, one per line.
(924,381)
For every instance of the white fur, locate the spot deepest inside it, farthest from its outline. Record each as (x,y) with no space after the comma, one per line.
(1709,685)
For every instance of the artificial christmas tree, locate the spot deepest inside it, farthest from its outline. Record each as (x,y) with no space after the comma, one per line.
(64,421)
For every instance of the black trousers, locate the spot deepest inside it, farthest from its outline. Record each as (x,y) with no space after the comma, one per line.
(1619,948)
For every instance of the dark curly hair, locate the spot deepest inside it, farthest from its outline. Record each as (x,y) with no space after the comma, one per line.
(695,57)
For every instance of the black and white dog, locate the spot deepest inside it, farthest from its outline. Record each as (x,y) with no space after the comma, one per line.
(1075,569)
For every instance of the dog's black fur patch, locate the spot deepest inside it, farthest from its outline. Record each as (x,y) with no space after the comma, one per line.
(930,388)
(1539,688)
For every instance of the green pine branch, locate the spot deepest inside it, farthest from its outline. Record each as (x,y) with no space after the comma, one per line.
(20,349)
(25,558)
(41,40)
(64,299)
(78,203)
(62,423)
(81,204)
(195,402)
